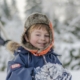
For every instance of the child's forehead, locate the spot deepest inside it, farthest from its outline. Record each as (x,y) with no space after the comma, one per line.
(40,30)
(40,26)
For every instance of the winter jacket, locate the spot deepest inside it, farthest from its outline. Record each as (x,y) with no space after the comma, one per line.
(28,58)
(24,62)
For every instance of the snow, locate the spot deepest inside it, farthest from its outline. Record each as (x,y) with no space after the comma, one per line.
(21,6)
(52,72)
(15,27)
(2,75)
(75,75)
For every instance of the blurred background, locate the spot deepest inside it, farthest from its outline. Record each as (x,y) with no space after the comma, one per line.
(65,17)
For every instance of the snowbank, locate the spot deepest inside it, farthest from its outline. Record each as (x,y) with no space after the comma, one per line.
(75,75)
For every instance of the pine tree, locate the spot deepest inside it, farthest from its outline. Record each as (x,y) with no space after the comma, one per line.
(33,6)
(70,11)
(65,16)
(9,15)
(6,9)
(13,7)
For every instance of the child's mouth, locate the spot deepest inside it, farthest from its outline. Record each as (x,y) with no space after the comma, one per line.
(42,44)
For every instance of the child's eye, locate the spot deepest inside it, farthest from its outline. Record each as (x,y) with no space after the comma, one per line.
(47,36)
(37,34)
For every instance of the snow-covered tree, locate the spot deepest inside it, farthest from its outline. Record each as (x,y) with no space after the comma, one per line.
(6,9)
(12,26)
(13,7)
(65,17)
(33,6)
(64,14)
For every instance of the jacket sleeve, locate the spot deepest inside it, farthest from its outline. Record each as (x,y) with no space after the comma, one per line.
(17,70)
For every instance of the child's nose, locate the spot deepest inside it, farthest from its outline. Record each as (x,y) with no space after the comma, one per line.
(42,37)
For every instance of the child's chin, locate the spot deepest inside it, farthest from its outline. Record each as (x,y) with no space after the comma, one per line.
(41,48)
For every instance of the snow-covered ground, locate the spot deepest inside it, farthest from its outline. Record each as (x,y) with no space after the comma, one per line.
(75,75)
(2,75)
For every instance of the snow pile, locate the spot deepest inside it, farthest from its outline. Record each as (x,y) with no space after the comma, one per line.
(52,72)
(2,75)
(75,75)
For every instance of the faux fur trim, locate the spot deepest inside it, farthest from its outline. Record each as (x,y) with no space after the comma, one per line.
(12,46)
(36,18)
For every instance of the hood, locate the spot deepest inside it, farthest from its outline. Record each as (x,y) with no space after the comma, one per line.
(31,20)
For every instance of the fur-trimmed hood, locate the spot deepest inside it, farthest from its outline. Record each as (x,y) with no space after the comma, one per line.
(12,46)
(31,20)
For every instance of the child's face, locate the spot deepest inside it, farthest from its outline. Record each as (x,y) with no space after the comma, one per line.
(39,38)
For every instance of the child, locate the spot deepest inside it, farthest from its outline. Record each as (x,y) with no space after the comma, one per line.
(35,56)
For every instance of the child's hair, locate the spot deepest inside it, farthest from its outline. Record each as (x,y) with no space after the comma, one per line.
(37,26)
